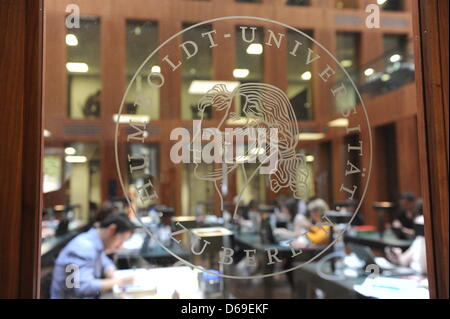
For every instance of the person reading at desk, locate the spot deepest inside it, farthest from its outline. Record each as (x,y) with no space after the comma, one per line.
(415,256)
(310,228)
(403,223)
(82,269)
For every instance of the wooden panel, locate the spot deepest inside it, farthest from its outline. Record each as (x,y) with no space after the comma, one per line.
(431,35)
(408,155)
(21,145)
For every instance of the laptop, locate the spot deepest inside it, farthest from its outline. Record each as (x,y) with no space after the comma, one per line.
(388,269)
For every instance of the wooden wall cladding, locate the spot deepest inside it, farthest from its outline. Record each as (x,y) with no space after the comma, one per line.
(20,147)
(431,31)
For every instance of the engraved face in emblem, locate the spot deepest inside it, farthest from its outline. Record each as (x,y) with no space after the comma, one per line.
(268,122)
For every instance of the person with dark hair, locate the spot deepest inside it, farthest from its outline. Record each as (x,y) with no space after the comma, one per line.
(349,206)
(104,211)
(404,220)
(82,269)
(415,256)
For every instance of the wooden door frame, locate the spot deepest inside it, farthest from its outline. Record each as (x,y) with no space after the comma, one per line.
(431,54)
(21,145)
(21,141)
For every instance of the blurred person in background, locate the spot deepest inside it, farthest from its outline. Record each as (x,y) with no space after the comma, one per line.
(106,209)
(404,219)
(318,232)
(86,258)
(415,256)
(309,228)
(349,207)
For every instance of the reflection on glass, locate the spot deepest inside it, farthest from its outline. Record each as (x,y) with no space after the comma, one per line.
(299,77)
(83,69)
(249,57)
(347,53)
(142,40)
(196,72)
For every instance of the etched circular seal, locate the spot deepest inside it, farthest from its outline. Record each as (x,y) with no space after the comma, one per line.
(264,133)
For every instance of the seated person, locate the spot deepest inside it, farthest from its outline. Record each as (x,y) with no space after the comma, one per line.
(415,256)
(294,227)
(253,216)
(349,206)
(87,254)
(310,228)
(318,233)
(404,220)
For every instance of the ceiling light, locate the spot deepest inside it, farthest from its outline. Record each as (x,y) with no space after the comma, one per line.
(306,76)
(47,133)
(255,48)
(240,121)
(76,67)
(71,40)
(309,158)
(126,118)
(76,159)
(381,2)
(395,58)
(347,63)
(385,77)
(242,158)
(70,151)
(241,73)
(340,122)
(258,151)
(311,136)
(156,69)
(203,86)
(369,72)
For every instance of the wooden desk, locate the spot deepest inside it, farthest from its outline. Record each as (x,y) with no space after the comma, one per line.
(373,240)
(155,255)
(307,278)
(160,283)
(254,241)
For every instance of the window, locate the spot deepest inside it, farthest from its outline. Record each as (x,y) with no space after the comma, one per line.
(346,4)
(298,2)
(71,187)
(142,40)
(249,57)
(391,5)
(299,77)
(196,72)
(347,53)
(84,69)
(249,1)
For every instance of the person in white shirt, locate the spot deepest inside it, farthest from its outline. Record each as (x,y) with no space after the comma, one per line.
(415,256)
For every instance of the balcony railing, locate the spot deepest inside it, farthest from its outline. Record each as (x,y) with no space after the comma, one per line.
(391,71)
